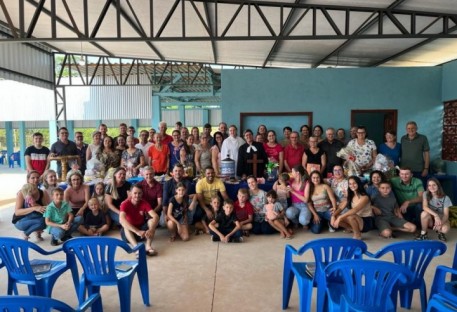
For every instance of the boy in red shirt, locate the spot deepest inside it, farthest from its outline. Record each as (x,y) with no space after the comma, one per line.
(244,210)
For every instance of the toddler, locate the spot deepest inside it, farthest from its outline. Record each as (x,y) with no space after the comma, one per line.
(94,223)
(59,218)
(280,186)
(28,190)
(275,214)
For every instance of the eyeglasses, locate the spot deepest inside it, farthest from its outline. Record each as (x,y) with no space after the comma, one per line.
(64,133)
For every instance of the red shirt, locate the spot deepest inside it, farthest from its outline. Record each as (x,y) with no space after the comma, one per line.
(135,215)
(166,139)
(293,155)
(242,213)
(151,193)
(273,152)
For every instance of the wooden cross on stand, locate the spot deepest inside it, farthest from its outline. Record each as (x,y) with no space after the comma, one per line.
(254,161)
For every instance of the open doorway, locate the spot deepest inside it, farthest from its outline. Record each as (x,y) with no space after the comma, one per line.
(376,121)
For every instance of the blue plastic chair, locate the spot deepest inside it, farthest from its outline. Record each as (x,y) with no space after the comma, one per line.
(444,284)
(416,256)
(438,303)
(325,251)
(97,258)
(41,304)
(363,285)
(14,254)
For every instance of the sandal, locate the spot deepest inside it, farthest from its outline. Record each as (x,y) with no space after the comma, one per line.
(24,236)
(151,253)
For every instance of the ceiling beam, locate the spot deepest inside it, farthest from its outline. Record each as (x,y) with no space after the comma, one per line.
(367,24)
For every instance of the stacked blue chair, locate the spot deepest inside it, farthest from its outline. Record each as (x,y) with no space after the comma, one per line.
(42,304)
(363,285)
(97,258)
(14,254)
(444,283)
(416,256)
(325,251)
(438,303)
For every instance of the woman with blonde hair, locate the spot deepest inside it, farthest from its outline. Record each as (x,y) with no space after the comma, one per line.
(29,208)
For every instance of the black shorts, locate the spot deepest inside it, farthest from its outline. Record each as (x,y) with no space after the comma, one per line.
(368,224)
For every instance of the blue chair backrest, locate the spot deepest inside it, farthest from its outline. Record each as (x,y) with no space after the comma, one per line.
(327,250)
(415,255)
(96,255)
(14,254)
(32,304)
(368,283)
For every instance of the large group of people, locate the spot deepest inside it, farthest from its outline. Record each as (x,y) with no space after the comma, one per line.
(311,190)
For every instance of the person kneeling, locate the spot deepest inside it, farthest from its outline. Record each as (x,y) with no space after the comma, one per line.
(60,219)
(135,227)
(388,216)
(225,227)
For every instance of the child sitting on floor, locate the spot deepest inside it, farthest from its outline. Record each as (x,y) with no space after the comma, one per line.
(244,211)
(99,193)
(280,186)
(275,214)
(225,227)
(59,218)
(94,223)
(177,213)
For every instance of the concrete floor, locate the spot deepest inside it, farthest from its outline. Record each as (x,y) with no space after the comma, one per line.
(201,275)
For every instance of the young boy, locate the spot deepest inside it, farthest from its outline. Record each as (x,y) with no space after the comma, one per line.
(244,210)
(225,227)
(388,216)
(94,220)
(59,218)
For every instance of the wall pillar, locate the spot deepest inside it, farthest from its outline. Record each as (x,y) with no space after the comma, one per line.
(156,111)
(71,130)
(9,139)
(53,129)
(182,114)
(22,143)
(205,116)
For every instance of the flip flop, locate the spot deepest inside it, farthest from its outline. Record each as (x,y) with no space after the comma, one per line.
(151,253)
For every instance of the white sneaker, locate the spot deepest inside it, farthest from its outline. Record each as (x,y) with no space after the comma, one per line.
(331,229)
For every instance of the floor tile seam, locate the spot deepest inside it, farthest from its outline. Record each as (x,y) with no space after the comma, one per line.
(215,277)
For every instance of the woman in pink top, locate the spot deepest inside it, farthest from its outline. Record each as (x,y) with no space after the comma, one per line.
(298,188)
(77,194)
(274,150)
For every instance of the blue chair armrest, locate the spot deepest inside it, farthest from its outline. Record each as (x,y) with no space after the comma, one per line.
(440,278)
(45,252)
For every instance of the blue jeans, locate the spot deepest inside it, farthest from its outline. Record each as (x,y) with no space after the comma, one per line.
(58,233)
(299,213)
(413,214)
(226,231)
(114,217)
(323,215)
(31,223)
